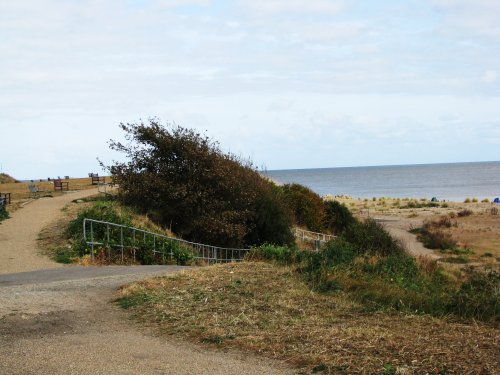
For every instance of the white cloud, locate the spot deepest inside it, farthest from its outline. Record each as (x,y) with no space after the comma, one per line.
(301,7)
(490,76)
(465,17)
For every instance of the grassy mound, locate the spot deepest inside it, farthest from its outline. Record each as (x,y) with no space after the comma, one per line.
(6,179)
(268,309)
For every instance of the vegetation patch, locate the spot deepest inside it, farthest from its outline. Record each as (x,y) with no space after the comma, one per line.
(62,240)
(268,309)
(3,214)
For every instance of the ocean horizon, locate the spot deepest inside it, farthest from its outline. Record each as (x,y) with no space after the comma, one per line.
(445,181)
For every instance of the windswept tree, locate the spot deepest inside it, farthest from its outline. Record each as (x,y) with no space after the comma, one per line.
(184,181)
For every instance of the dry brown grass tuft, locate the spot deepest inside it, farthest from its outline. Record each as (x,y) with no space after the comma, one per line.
(267,309)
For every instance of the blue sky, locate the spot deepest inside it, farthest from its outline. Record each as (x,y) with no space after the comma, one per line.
(290,84)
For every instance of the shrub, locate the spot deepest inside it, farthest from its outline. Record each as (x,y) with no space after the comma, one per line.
(465,212)
(306,207)
(104,210)
(485,200)
(191,186)
(337,217)
(467,200)
(319,265)
(434,238)
(3,213)
(371,237)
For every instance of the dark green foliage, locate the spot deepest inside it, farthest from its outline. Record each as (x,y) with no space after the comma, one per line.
(64,255)
(104,210)
(305,206)
(337,217)
(479,297)
(281,254)
(371,237)
(270,219)
(319,265)
(188,184)
(3,213)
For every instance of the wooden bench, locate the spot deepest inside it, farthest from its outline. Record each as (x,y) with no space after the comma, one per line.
(96,180)
(61,185)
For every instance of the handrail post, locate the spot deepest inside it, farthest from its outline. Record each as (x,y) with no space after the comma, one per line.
(91,241)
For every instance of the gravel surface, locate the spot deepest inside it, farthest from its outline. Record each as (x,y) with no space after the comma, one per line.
(71,326)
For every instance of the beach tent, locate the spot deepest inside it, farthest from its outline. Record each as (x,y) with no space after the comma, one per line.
(434,199)
(497,200)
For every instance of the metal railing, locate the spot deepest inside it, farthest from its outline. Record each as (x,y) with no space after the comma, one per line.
(307,235)
(120,242)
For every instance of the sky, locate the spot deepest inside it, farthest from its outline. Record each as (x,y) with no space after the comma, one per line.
(288,84)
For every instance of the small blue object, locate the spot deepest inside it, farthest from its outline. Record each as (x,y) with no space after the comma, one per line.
(497,200)
(434,199)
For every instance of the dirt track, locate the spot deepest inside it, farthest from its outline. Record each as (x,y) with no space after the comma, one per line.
(18,235)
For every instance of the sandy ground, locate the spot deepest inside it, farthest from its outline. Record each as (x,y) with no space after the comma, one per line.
(19,233)
(479,231)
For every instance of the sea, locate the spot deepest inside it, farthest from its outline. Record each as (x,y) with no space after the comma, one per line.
(450,181)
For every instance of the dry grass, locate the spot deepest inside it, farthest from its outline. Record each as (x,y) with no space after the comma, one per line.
(267,309)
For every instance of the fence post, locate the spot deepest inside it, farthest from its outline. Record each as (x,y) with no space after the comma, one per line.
(92,241)
(121,240)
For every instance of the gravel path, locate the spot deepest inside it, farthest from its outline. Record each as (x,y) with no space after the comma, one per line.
(18,235)
(71,327)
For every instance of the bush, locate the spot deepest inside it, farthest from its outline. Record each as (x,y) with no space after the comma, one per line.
(434,239)
(370,237)
(305,206)
(188,184)
(3,213)
(104,210)
(464,212)
(319,265)
(337,217)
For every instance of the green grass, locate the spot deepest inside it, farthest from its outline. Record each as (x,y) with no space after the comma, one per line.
(110,210)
